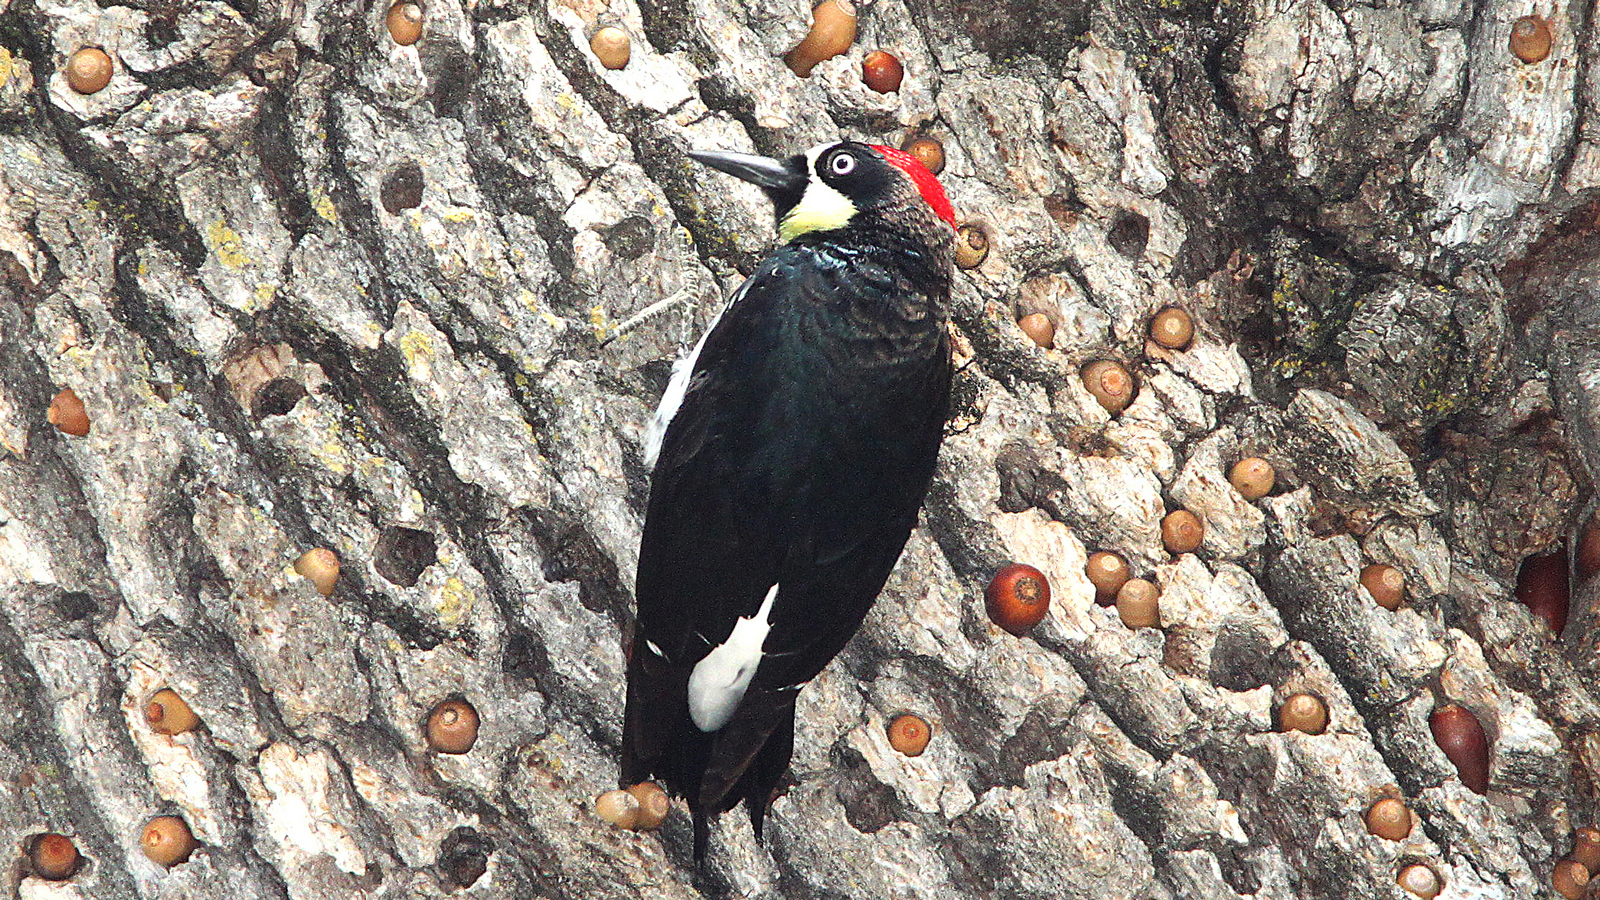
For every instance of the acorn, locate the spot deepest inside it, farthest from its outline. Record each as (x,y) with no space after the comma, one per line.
(321,565)
(1542,587)
(1138,603)
(882,72)
(1109,383)
(1389,819)
(612,47)
(1530,39)
(166,713)
(66,413)
(928,151)
(833,30)
(1569,878)
(88,70)
(909,734)
(1586,847)
(1253,477)
(1420,880)
(620,808)
(452,726)
(405,23)
(1108,572)
(1303,712)
(1386,584)
(167,841)
(1172,328)
(53,857)
(1182,531)
(653,805)
(1038,328)
(1017,598)
(972,246)
(1457,732)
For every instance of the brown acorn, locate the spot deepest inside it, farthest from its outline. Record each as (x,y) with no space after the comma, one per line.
(1038,328)
(833,30)
(67,414)
(1303,712)
(928,151)
(653,805)
(1017,598)
(1586,847)
(1389,819)
(321,566)
(452,726)
(1420,880)
(1386,584)
(882,71)
(89,70)
(405,23)
(1172,328)
(1253,477)
(1530,39)
(166,713)
(167,840)
(611,46)
(909,734)
(1570,878)
(1542,587)
(53,856)
(1182,531)
(1108,572)
(972,246)
(1109,383)
(1139,604)
(1457,732)
(620,808)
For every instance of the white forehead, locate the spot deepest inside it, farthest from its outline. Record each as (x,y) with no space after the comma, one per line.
(818,150)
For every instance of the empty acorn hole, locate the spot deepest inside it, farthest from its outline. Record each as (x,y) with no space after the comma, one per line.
(402,188)
(276,398)
(464,856)
(1129,234)
(403,554)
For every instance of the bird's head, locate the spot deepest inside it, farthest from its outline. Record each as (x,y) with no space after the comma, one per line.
(842,185)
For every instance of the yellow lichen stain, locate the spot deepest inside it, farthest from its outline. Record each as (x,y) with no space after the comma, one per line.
(226,244)
(263,296)
(6,66)
(417,348)
(323,204)
(530,300)
(601,323)
(459,216)
(454,601)
(567,100)
(551,319)
(334,458)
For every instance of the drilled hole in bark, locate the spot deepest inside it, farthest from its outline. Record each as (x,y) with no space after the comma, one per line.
(464,856)
(276,398)
(402,189)
(404,554)
(1129,234)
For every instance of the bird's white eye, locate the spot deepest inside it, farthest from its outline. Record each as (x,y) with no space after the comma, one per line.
(842,164)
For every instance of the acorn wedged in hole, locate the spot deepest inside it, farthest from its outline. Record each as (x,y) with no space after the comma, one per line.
(89,70)
(1253,477)
(1542,587)
(928,151)
(166,713)
(1017,598)
(972,246)
(1420,880)
(1386,585)
(1108,572)
(1389,819)
(452,726)
(1530,39)
(618,807)
(1457,732)
(321,566)
(1303,712)
(405,23)
(1139,604)
(1182,531)
(1038,328)
(1570,878)
(654,805)
(611,46)
(1172,328)
(53,856)
(909,734)
(833,30)
(1109,383)
(167,840)
(882,71)
(67,414)
(1586,847)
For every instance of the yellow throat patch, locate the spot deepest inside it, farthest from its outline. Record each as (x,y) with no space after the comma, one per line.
(821,208)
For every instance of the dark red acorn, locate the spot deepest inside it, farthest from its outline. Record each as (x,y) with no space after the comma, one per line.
(1457,732)
(1542,587)
(1018,598)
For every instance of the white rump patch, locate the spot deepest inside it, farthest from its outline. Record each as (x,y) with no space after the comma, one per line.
(719,681)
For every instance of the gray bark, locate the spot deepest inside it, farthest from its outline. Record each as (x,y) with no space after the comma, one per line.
(317,289)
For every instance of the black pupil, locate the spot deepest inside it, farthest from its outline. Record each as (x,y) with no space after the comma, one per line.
(843,163)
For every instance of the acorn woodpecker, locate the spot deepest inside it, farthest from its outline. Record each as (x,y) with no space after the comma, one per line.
(791,452)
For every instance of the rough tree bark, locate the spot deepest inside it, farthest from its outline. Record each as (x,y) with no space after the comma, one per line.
(318,289)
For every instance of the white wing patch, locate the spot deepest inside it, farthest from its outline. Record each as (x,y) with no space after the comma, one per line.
(719,681)
(677,386)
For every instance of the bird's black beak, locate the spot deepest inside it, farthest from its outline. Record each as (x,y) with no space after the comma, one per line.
(778,177)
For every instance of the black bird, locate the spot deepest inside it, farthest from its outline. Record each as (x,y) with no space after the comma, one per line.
(791,453)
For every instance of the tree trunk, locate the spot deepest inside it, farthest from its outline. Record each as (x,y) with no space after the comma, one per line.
(318,289)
